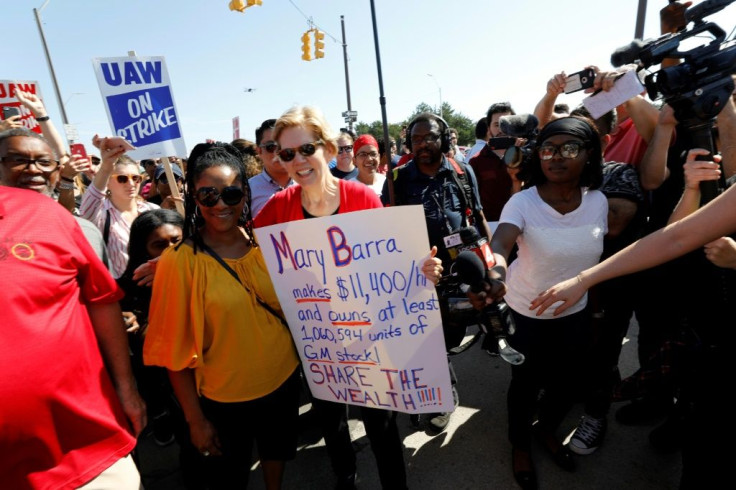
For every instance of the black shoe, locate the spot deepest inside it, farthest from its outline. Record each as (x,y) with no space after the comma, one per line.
(667,438)
(638,412)
(346,482)
(561,455)
(527,477)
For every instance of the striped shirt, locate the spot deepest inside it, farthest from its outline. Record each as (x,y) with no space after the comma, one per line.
(95,207)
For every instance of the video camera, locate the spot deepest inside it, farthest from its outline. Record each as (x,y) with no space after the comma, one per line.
(697,88)
(516,126)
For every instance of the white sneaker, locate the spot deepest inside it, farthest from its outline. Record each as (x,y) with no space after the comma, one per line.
(588,435)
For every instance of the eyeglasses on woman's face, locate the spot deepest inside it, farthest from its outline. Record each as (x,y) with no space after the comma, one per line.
(569,149)
(123,178)
(209,196)
(305,150)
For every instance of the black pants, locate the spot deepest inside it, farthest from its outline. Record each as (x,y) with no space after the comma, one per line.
(556,351)
(380,426)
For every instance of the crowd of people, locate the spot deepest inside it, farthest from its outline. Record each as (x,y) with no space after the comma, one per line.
(175,327)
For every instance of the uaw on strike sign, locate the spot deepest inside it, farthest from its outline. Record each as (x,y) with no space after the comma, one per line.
(7,99)
(140,104)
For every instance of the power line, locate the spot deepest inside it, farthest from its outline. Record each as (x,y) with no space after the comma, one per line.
(311,22)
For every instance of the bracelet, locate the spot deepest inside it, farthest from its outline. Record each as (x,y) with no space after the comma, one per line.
(65,186)
(43,118)
(66,179)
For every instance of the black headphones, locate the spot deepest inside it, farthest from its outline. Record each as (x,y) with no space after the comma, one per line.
(444,131)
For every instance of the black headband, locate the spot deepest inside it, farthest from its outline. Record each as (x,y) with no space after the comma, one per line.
(567,125)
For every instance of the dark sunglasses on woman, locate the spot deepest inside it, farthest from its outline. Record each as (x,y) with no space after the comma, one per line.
(209,196)
(123,178)
(305,150)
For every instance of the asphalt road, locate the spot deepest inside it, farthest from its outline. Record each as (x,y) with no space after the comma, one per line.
(473,453)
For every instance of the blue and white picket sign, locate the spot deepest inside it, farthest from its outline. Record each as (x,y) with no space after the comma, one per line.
(140,104)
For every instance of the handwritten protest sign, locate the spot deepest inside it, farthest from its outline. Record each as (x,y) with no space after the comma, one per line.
(7,99)
(140,104)
(364,318)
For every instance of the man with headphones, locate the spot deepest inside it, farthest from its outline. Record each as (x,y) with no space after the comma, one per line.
(448,190)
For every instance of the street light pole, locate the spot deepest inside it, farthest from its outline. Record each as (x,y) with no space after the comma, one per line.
(37,13)
(440,90)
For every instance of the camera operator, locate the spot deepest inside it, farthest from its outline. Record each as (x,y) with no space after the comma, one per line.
(496,182)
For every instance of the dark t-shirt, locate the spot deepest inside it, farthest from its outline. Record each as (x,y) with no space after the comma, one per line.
(441,197)
(344,175)
(494,182)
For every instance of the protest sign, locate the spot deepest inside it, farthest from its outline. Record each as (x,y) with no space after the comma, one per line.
(7,99)
(365,320)
(140,105)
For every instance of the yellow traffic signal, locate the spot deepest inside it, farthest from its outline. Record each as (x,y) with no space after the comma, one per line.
(319,44)
(238,5)
(241,5)
(306,46)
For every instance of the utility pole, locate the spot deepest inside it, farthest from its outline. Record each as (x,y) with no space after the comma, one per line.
(641,16)
(37,13)
(350,118)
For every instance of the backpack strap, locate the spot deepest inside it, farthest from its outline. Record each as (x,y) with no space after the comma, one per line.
(106,229)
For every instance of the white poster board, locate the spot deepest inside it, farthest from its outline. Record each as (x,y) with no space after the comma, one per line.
(7,99)
(140,105)
(365,320)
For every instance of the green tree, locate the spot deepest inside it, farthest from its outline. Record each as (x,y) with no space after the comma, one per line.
(464,126)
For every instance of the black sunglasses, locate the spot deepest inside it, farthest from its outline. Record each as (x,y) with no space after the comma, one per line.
(165,180)
(305,150)
(209,196)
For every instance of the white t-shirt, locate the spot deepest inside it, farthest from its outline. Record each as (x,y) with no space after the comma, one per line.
(552,246)
(377,185)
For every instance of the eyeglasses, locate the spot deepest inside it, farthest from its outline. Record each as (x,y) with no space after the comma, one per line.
(571,149)
(346,148)
(367,154)
(123,178)
(43,164)
(270,147)
(209,196)
(305,150)
(427,138)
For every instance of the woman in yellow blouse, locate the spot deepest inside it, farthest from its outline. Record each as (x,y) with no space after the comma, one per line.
(215,325)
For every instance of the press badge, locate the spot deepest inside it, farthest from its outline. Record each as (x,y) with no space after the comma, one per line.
(453,240)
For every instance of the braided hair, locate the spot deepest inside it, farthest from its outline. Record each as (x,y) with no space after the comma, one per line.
(204,156)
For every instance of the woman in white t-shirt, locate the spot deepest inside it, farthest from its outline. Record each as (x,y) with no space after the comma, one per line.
(558,223)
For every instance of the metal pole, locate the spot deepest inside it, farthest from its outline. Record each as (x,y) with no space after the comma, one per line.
(382,99)
(440,90)
(347,75)
(641,16)
(51,66)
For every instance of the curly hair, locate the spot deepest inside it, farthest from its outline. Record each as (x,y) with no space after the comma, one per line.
(204,156)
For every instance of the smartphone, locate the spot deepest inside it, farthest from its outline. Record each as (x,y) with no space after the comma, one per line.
(579,81)
(10,111)
(502,143)
(79,150)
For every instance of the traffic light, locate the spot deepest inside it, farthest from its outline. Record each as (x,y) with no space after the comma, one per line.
(306,46)
(241,5)
(319,44)
(238,5)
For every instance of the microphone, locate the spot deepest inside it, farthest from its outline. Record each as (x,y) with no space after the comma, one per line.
(627,54)
(469,268)
(519,126)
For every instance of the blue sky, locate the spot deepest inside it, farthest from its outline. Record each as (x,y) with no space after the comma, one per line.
(478,52)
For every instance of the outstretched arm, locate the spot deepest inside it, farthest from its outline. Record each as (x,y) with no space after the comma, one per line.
(716,219)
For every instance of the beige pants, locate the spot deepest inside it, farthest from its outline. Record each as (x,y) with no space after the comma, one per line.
(123,475)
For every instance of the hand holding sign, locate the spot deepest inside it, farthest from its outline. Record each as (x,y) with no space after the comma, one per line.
(32,102)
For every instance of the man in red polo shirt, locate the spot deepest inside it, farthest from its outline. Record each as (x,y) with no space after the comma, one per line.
(65,380)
